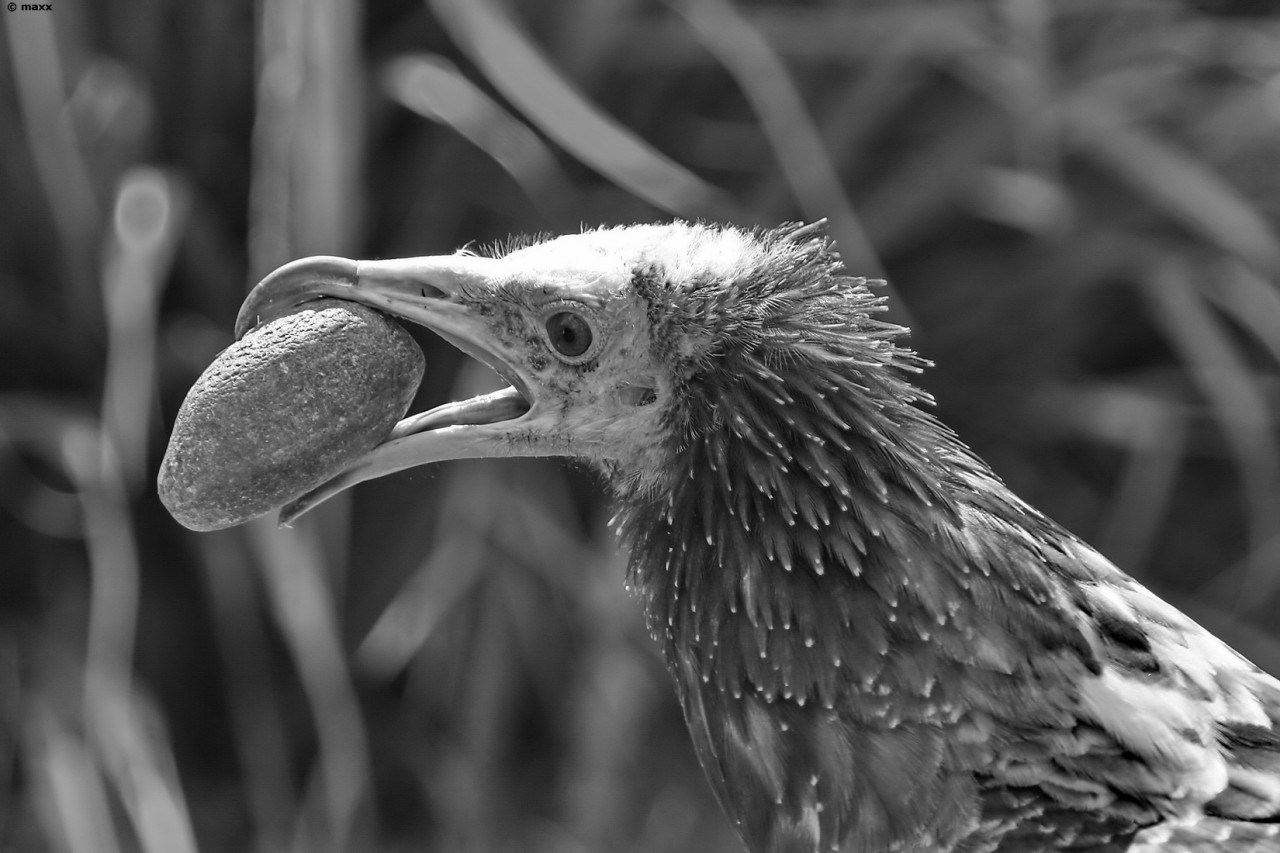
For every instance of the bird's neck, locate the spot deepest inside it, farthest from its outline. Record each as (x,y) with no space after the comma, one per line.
(795,540)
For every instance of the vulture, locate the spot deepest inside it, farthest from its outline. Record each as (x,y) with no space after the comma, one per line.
(878,647)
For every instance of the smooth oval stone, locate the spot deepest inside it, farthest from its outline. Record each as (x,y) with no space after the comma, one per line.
(285,408)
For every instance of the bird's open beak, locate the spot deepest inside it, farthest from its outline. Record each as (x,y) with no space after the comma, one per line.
(439,293)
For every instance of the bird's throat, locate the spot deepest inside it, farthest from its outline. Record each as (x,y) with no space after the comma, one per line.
(771,560)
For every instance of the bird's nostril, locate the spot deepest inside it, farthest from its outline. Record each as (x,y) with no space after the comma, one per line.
(636,395)
(431,292)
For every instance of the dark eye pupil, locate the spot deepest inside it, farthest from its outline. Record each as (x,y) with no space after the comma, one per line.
(569,333)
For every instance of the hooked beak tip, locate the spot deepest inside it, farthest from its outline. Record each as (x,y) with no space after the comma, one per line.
(289,286)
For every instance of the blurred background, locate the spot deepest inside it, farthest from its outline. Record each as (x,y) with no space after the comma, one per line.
(1076,202)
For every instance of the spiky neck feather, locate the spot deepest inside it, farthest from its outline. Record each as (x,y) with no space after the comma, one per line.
(800,475)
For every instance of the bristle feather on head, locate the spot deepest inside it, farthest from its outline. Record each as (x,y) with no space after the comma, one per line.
(783,351)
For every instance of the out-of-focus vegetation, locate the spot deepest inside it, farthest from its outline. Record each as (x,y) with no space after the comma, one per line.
(1076,201)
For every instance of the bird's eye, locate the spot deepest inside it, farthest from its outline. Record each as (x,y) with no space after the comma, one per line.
(570,335)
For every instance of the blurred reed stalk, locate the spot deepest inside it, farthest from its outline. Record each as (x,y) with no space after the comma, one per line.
(307,198)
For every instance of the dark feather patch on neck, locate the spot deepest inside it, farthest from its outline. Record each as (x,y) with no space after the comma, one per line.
(802,479)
